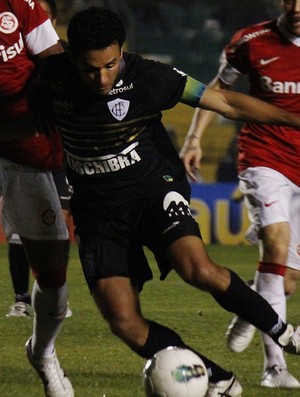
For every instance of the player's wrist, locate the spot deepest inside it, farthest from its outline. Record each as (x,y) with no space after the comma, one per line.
(192,136)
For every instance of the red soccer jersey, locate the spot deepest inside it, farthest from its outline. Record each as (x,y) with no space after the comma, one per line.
(25,30)
(269,55)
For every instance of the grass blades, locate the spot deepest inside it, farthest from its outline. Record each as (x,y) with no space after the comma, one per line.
(99,365)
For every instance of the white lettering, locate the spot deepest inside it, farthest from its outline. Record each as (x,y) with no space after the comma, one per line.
(280,87)
(112,164)
(30,3)
(251,36)
(121,89)
(12,51)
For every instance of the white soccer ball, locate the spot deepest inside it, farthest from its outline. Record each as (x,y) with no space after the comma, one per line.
(175,372)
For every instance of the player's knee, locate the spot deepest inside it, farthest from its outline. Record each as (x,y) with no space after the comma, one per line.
(51,279)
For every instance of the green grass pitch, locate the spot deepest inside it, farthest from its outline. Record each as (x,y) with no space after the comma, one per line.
(99,365)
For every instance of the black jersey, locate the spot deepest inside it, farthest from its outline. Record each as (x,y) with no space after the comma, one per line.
(116,146)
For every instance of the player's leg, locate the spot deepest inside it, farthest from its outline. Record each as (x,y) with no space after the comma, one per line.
(191,261)
(117,298)
(269,283)
(275,366)
(31,208)
(273,208)
(64,191)
(178,235)
(19,269)
(118,301)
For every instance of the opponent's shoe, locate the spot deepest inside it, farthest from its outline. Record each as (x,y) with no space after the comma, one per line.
(239,334)
(20,309)
(69,312)
(56,384)
(290,340)
(225,388)
(280,378)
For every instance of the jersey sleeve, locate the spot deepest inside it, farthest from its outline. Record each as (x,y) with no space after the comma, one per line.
(165,84)
(227,73)
(236,53)
(37,29)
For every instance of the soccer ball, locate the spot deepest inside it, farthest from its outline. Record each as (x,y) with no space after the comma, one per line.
(175,372)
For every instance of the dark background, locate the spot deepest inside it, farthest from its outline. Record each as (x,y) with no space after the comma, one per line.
(188,34)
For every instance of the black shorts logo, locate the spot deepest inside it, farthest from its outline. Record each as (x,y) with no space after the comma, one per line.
(176,205)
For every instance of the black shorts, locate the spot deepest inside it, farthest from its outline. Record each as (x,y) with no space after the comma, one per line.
(63,188)
(117,249)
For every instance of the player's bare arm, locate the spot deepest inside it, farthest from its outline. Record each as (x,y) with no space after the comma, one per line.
(55,49)
(238,106)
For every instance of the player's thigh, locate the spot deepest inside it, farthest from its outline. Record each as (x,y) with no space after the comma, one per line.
(267,194)
(293,260)
(275,242)
(31,207)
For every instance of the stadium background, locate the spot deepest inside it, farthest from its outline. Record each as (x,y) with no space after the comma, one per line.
(190,35)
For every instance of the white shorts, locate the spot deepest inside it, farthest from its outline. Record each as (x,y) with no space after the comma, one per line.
(30,204)
(271,198)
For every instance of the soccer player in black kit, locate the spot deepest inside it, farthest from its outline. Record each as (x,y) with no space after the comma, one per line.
(130,188)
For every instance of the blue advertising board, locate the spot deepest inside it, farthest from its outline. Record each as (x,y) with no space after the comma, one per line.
(220,211)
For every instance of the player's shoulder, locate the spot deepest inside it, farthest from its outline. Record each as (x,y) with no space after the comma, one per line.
(253,32)
(26,13)
(142,63)
(57,69)
(57,63)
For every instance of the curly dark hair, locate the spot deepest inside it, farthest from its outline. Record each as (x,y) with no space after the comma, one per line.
(94,29)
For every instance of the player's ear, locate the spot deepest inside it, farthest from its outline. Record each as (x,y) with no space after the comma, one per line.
(121,52)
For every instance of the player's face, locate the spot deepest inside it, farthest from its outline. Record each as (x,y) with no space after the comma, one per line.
(99,68)
(292,15)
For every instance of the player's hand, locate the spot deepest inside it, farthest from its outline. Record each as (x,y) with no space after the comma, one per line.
(191,155)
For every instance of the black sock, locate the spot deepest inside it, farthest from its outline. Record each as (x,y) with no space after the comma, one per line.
(246,303)
(19,270)
(161,337)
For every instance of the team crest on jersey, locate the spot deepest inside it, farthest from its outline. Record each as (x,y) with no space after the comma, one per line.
(118,108)
(8,22)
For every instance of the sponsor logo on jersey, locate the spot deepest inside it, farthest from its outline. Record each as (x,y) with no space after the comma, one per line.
(254,35)
(247,37)
(265,61)
(30,3)
(12,51)
(279,87)
(119,89)
(8,22)
(118,108)
(104,164)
